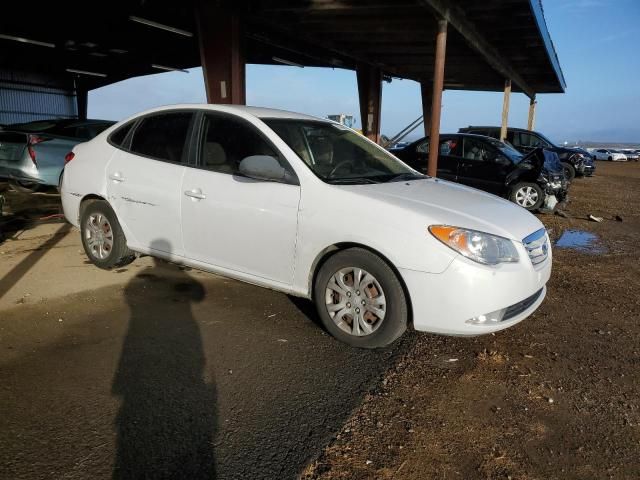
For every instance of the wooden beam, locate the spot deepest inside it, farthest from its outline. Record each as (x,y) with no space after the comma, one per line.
(531,122)
(436,103)
(370,93)
(456,17)
(221,53)
(505,110)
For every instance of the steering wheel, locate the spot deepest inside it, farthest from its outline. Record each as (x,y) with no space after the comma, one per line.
(337,167)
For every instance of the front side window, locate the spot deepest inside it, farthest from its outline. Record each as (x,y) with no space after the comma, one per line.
(473,150)
(227,141)
(337,154)
(162,136)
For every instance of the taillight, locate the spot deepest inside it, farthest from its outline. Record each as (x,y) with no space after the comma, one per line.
(34,140)
(68,157)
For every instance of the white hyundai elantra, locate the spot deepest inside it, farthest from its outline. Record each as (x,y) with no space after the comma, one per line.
(311,208)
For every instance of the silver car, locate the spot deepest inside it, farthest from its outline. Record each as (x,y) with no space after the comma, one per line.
(32,154)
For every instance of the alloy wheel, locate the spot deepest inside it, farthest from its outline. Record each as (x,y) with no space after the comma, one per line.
(526,197)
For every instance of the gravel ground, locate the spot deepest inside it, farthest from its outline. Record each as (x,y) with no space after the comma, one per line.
(554,397)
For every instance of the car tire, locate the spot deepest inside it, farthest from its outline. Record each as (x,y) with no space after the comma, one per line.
(24,187)
(528,195)
(569,171)
(102,237)
(383,293)
(3,186)
(610,159)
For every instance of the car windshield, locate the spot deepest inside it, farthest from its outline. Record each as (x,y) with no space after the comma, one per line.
(338,154)
(507,150)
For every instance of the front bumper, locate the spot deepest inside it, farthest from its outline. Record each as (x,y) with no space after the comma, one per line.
(445,303)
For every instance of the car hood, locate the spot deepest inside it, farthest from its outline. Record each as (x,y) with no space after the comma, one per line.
(442,202)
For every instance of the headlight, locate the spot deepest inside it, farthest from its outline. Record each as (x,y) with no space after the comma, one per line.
(478,246)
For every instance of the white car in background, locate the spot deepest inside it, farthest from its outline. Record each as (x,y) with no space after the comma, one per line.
(610,155)
(311,208)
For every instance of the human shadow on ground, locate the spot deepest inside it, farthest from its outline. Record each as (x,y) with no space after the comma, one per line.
(167,420)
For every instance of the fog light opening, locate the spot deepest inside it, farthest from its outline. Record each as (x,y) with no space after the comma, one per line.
(488,318)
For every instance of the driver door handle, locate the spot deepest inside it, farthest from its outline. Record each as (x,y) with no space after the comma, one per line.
(196,194)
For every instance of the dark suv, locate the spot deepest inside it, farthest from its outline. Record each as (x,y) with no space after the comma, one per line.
(495,167)
(575,161)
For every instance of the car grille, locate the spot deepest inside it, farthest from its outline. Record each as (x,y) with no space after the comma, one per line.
(537,246)
(517,308)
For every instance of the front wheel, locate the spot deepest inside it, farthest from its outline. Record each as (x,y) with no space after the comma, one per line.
(102,237)
(360,299)
(527,195)
(569,171)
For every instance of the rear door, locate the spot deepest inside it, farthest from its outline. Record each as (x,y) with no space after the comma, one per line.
(234,222)
(144,181)
(481,167)
(447,158)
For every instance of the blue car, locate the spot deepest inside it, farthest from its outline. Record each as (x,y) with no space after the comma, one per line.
(32,155)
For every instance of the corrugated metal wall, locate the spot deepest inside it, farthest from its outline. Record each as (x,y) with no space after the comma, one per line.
(26,97)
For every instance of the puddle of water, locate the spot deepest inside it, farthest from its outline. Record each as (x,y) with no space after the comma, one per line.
(582,241)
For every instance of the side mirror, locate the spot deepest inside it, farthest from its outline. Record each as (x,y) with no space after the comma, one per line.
(264,167)
(500,160)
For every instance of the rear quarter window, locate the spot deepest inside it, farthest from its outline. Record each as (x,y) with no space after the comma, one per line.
(117,138)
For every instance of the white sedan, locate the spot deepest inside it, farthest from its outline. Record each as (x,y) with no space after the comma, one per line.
(311,208)
(611,155)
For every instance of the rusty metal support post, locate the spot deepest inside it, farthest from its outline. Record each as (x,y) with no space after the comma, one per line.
(221,53)
(427,91)
(531,121)
(82,99)
(436,103)
(505,110)
(370,92)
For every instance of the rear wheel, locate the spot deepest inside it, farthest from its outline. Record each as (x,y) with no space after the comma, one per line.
(24,187)
(360,299)
(102,237)
(610,159)
(527,195)
(569,171)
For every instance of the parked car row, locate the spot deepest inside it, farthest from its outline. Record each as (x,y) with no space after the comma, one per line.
(613,155)
(575,162)
(32,155)
(532,181)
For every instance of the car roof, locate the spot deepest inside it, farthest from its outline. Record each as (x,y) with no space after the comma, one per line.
(513,129)
(259,112)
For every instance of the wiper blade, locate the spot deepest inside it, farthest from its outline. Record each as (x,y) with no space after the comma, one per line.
(351,180)
(406,176)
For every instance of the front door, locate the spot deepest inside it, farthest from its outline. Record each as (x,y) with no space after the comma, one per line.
(233,222)
(144,182)
(482,167)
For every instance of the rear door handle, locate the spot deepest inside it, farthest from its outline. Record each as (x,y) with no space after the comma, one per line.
(196,194)
(116,177)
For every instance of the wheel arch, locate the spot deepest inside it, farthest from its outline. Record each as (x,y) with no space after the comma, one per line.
(331,250)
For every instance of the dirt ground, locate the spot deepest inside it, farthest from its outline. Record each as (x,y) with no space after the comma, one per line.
(556,397)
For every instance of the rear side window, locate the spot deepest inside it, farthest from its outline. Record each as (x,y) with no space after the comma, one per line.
(162,137)
(117,137)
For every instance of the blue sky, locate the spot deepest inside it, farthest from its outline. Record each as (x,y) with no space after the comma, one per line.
(597,43)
